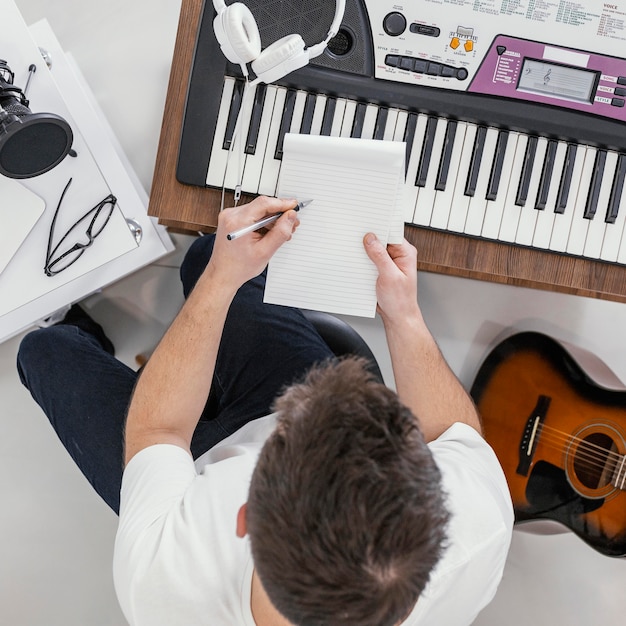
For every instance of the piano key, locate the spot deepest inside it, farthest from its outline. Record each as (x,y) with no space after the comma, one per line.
(598,226)
(460,202)
(359,118)
(285,122)
(340,109)
(255,118)
(271,165)
(255,161)
(446,156)
(329,116)
(527,170)
(426,196)
(307,114)
(596,181)
(477,154)
(427,150)
(578,230)
(444,198)
(298,111)
(348,119)
(400,128)
(546,175)
(413,163)
(528,216)
(566,179)
(478,202)
(512,211)
(563,220)
(496,169)
(369,121)
(391,122)
(219,155)
(409,138)
(318,114)
(233,113)
(548,215)
(614,245)
(616,190)
(496,208)
(381,123)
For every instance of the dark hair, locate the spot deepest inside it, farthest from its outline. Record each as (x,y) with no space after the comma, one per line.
(346,513)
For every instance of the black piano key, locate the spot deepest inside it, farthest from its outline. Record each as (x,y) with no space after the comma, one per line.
(591,205)
(409,137)
(233,113)
(496,168)
(617,189)
(527,170)
(359,117)
(546,175)
(285,122)
(255,118)
(307,116)
(381,123)
(477,155)
(427,150)
(446,156)
(329,116)
(566,179)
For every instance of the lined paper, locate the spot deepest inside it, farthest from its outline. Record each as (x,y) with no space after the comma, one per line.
(354,185)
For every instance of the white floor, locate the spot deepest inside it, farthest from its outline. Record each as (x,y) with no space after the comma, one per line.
(57,536)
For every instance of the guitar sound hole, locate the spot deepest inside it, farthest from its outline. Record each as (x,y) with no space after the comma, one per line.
(593,463)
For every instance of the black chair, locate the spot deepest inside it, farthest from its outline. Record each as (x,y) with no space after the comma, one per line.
(342,339)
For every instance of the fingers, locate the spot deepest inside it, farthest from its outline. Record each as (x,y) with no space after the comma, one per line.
(280,232)
(264,205)
(377,253)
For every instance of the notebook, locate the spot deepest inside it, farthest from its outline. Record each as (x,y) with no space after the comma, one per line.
(19,211)
(356,186)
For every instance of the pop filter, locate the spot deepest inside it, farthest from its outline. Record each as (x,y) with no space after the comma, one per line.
(30,143)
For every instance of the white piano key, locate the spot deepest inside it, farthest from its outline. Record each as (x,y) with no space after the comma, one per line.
(390,126)
(412,190)
(460,202)
(598,226)
(348,119)
(528,216)
(444,199)
(219,156)
(298,112)
(369,123)
(318,114)
(478,202)
(271,166)
(400,127)
(426,196)
(563,221)
(495,208)
(512,212)
(340,109)
(547,216)
(578,230)
(614,244)
(254,162)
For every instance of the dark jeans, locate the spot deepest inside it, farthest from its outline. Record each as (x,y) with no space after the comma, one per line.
(85,392)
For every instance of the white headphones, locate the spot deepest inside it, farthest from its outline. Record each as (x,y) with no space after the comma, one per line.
(237,32)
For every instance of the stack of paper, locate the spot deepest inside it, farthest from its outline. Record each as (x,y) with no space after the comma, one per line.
(356,186)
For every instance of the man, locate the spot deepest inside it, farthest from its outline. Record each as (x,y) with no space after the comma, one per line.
(332,511)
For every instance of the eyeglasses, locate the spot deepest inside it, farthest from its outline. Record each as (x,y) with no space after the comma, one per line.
(64,253)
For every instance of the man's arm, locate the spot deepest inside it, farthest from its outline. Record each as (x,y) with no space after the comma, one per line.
(424,381)
(173,387)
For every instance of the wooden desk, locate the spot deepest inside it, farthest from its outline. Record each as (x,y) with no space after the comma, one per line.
(195,208)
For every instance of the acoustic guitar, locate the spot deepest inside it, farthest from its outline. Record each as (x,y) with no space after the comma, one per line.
(560,436)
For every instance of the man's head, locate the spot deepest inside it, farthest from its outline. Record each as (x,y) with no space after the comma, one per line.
(345,514)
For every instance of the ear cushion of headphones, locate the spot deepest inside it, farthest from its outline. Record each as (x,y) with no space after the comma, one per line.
(237,33)
(280,58)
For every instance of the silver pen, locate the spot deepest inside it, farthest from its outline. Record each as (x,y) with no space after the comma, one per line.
(270,219)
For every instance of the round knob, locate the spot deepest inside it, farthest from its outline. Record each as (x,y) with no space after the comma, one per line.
(461,73)
(394,24)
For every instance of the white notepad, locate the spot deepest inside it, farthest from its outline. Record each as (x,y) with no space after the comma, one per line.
(19,211)
(355,185)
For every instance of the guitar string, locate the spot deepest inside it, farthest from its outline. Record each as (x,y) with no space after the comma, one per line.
(586,460)
(587,444)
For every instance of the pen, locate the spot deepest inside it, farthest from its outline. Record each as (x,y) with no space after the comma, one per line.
(270,219)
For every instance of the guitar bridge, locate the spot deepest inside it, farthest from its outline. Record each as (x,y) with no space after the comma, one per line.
(528,442)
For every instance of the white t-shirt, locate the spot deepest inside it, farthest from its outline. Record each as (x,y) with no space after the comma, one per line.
(178,560)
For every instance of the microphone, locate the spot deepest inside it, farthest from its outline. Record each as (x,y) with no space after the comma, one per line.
(30,143)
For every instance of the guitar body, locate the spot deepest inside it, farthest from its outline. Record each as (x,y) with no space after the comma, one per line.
(560,438)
